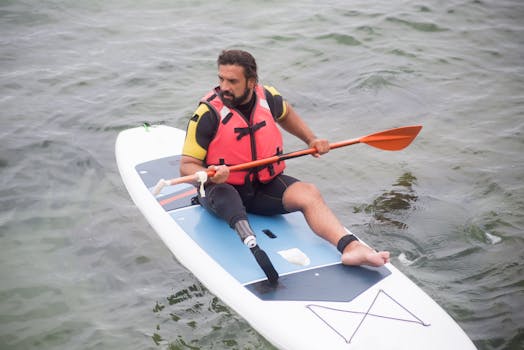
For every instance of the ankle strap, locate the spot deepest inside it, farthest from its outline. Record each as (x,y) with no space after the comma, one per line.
(344,241)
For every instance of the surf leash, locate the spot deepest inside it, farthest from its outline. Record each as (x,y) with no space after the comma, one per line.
(389,140)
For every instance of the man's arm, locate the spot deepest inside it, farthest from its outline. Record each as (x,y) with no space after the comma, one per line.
(200,131)
(190,165)
(292,123)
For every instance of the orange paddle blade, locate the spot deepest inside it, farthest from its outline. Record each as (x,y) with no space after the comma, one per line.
(393,139)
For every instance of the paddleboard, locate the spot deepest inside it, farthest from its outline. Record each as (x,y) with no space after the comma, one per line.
(318,303)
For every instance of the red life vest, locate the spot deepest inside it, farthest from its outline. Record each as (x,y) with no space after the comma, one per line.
(236,141)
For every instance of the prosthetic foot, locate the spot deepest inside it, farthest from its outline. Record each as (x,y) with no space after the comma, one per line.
(247,236)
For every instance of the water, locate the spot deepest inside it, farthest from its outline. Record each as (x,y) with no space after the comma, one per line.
(80,267)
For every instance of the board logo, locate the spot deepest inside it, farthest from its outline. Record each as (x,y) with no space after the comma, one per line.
(346,323)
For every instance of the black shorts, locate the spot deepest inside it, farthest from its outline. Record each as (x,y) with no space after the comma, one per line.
(232,203)
(266,199)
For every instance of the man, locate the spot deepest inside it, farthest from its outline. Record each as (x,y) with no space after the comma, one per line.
(237,122)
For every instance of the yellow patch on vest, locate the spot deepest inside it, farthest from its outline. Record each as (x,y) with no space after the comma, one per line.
(275,92)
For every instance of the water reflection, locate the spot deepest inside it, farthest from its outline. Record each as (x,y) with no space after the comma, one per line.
(391,206)
(193,318)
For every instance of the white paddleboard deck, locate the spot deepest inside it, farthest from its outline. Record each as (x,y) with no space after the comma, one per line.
(318,302)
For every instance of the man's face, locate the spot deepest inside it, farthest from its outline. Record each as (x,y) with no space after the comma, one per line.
(234,88)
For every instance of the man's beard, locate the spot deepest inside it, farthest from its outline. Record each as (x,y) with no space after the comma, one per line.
(234,101)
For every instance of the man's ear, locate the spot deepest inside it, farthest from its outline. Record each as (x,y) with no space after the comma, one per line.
(251,83)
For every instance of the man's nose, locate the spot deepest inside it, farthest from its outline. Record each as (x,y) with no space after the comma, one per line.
(225,86)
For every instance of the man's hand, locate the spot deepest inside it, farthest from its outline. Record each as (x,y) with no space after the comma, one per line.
(321,145)
(221,173)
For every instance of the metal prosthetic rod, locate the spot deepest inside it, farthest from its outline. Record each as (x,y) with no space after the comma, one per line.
(246,234)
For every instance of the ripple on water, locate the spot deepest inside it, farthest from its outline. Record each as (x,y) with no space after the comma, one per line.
(193,318)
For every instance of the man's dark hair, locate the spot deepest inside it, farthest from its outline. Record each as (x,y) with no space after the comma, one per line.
(240,58)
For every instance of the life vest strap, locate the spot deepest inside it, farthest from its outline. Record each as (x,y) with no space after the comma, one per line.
(249,129)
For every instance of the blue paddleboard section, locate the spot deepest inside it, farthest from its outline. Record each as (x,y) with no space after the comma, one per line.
(171,197)
(223,245)
(324,279)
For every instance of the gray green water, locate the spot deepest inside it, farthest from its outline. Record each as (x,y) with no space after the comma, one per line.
(80,268)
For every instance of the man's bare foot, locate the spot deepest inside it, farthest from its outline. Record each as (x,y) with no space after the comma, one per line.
(357,253)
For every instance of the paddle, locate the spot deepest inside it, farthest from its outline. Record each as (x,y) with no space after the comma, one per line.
(389,140)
